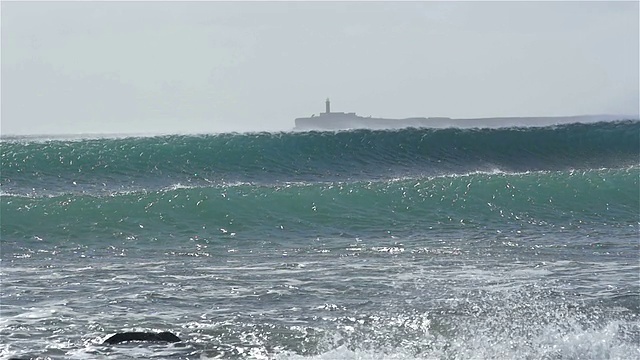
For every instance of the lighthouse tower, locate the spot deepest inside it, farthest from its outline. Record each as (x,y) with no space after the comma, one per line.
(327,106)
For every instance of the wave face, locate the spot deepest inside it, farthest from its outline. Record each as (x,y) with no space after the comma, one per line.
(266,158)
(403,244)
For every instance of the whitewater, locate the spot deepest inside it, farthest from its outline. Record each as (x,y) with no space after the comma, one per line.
(501,243)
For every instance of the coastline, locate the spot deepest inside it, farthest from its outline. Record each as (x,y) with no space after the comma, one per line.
(347,121)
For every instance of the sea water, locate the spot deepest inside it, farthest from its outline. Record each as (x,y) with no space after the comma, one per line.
(514,243)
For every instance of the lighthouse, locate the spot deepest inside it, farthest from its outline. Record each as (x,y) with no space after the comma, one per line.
(327,106)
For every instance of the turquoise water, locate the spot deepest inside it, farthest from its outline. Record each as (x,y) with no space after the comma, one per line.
(404,244)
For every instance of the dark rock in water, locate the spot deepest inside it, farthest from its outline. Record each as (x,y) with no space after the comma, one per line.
(142,336)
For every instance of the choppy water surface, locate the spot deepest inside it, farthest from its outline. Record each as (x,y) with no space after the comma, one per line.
(406,244)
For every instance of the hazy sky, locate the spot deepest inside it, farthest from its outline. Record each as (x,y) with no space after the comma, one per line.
(158,67)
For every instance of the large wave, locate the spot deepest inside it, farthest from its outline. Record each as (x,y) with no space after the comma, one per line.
(267,158)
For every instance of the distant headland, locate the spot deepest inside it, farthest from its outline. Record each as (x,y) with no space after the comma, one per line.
(329,120)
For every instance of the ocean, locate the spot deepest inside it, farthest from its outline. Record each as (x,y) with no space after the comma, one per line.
(510,243)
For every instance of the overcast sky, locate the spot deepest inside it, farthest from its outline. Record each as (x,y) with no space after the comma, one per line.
(183,67)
